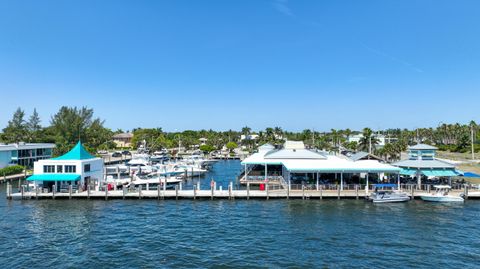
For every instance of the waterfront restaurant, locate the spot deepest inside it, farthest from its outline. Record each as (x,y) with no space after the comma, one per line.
(76,167)
(422,162)
(294,164)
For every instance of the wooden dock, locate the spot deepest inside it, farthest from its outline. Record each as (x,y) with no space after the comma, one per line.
(207,194)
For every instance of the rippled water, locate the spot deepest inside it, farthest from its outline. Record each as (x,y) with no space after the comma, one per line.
(240,233)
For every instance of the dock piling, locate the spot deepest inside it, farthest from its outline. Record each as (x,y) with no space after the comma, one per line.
(106,192)
(321,192)
(303,191)
(356,191)
(176,191)
(70,192)
(22,190)
(54,189)
(230,190)
(266,189)
(123,192)
(194,192)
(248,190)
(338,192)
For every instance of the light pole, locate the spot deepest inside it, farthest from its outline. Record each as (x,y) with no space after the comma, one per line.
(473,145)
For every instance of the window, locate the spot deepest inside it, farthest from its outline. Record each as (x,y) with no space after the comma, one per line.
(70,169)
(59,169)
(49,168)
(86,168)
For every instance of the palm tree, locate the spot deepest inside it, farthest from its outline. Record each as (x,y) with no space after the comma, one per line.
(368,140)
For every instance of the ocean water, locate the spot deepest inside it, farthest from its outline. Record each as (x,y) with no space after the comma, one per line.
(238,233)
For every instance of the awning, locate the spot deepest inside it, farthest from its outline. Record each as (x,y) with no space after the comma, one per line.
(439,173)
(54,177)
(408,172)
(470,174)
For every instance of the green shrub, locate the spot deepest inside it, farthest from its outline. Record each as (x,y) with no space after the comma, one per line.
(11,170)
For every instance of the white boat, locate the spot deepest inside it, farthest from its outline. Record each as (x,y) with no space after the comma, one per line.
(386,193)
(153,180)
(441,195)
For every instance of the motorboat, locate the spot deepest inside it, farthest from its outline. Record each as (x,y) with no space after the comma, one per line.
(387,193)
(153,180)
(441,195)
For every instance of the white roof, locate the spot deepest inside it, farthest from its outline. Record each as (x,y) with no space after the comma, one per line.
(335,164)
(310,161)
(19,146)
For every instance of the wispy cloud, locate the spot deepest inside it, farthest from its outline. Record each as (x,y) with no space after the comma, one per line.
(282,7)
(392,58)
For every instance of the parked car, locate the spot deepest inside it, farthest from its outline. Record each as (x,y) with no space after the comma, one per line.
(117,154)
(126,152)
(102,152)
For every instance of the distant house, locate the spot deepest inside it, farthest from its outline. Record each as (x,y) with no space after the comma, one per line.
(249,137)
(203,141)
(382,139)
(76,167)
(123,140)
(24,154)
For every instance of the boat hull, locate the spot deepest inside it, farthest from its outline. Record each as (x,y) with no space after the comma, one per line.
(442,199)
(391,200)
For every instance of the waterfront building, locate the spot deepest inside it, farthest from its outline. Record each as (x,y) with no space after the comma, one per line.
(294,164)
(76,167)
(24,154)
(422,162)
(123,140)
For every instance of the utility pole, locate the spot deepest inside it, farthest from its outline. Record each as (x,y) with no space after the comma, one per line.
(473,145)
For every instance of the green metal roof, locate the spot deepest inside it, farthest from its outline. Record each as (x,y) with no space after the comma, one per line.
(77,153)
(54,177)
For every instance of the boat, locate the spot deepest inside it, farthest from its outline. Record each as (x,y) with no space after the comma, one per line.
(441,195)
(151,181)
(386,193)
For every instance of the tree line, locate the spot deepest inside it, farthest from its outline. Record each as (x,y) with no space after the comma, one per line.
(71,124)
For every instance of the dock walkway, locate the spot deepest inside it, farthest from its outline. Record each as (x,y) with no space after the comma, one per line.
(207,194)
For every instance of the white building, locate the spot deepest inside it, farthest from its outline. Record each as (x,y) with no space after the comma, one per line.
(24,154)
(382,139)
(76,167)
(294,163)
(249,137)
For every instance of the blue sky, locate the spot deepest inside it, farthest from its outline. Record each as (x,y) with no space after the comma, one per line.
(225,64)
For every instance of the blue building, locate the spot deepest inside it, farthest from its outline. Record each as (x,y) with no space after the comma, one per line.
(24,154)
(422,162)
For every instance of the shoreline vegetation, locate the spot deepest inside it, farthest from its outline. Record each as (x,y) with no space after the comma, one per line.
(71,124)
